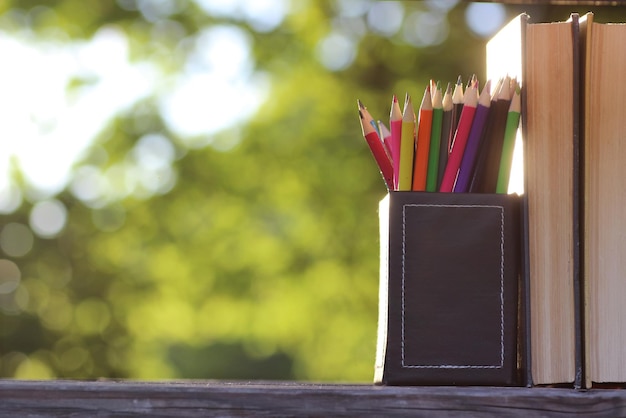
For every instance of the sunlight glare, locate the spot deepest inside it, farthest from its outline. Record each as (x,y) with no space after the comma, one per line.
(46,136)
(218,88)
(81,86)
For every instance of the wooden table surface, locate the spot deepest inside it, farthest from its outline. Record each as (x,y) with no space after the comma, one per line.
(61,398)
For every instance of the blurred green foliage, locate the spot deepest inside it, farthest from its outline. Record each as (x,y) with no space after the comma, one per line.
(262,260)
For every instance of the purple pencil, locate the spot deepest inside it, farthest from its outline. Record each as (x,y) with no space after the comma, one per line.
(473,141)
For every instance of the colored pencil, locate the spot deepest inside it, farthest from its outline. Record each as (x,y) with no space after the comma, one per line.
(457,100)
(494,124)
(446,133)
(470,101)
(377,149)
(385,135)
(486,174)
(395,125)
(367,115)
(473,140)
(424,128)
(510,133)
(407,146)
(435,141)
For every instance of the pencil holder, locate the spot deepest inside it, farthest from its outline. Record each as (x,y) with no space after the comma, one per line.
(449,278)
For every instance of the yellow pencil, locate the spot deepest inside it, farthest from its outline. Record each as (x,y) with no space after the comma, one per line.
(407,146)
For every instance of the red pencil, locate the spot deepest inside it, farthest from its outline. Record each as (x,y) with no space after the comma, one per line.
(470,101)
(424,126)
(377,148)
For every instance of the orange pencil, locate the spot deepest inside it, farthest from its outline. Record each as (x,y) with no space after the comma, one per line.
(424,126)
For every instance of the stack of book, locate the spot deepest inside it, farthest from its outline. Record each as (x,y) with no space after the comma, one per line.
(574,107)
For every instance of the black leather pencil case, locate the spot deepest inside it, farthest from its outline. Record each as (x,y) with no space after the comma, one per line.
(449,287)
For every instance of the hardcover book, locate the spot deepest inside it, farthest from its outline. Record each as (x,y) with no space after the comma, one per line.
(604,224)
(545,59)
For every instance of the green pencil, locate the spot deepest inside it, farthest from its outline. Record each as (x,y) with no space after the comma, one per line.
(510,133)
(435,140)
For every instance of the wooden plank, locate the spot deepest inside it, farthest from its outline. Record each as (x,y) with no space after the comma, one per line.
(280,399)
(557,2)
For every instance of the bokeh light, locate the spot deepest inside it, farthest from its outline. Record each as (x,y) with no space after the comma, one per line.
(262,15)
(10,276)
(336,51)
(16,239)
(154,151)
(385,17)
(484,19)
(48,218)
(426,28)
